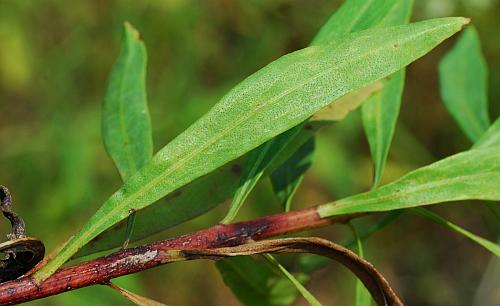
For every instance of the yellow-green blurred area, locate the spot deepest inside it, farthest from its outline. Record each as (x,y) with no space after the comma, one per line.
(55,57)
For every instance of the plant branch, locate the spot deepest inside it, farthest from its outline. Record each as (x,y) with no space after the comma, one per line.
(128,261)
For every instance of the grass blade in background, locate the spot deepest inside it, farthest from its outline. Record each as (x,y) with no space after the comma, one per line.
(463,84)
(305,293)
(271,101)
(362,296)
(488,245)
(256,284)
(126,126)
(473,174)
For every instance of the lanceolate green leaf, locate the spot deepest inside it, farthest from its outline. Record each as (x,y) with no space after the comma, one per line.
(381,111)
(271,101)
(380,114)
(463,78)
(126,126)
(488,245)
(474,174)
(256,284)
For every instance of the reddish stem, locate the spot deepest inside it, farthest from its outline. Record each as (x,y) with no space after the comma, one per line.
(123,262)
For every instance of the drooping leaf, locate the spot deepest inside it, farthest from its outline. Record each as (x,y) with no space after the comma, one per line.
(381,111)
(473,174)
(137,299)
(271,101)
(488,245)
(126,126)
(255,283)
(379,115)
(287,177)
(463,84)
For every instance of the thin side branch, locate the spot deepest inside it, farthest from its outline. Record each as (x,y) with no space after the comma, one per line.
(103,269)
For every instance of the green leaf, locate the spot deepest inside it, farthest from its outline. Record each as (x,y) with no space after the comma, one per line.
(362,296)
(256,284)
(305,293)
(463,78)
(381,111)
(271,101)
(287,177)
(259,159)
(488,245)
(354,16)
(473,174)
(126,126)
(380,114)
(135,298)
(490,138)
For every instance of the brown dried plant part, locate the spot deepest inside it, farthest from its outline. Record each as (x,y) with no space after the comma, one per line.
(21,253)
(135,298)
(373,280)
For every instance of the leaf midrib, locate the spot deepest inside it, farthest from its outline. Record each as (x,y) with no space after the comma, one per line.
(181,162)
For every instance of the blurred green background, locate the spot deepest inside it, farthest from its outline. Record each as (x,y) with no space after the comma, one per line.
(55,57)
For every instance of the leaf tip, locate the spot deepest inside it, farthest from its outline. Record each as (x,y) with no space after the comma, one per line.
(129,29)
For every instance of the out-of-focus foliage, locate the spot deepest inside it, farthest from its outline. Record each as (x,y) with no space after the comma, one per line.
(55,58)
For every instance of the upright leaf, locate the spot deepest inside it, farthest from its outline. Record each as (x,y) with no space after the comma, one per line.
(381,111)
(473,174)
(362,296)
(255,283)
(271,101)
(126,126)
(463,79)
(287,177)
(258,160)
(354,16)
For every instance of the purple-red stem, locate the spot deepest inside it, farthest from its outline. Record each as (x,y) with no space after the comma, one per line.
(123,262)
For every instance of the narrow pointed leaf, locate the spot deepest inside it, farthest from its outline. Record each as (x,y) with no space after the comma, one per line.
(463,79)
(137,299)
(126,126)
(287,177)
(271,101)
(381,111)
(473,174)
(256,284)
(488,245)
(305,293)
(362,296)
(490,138)
(258,161)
